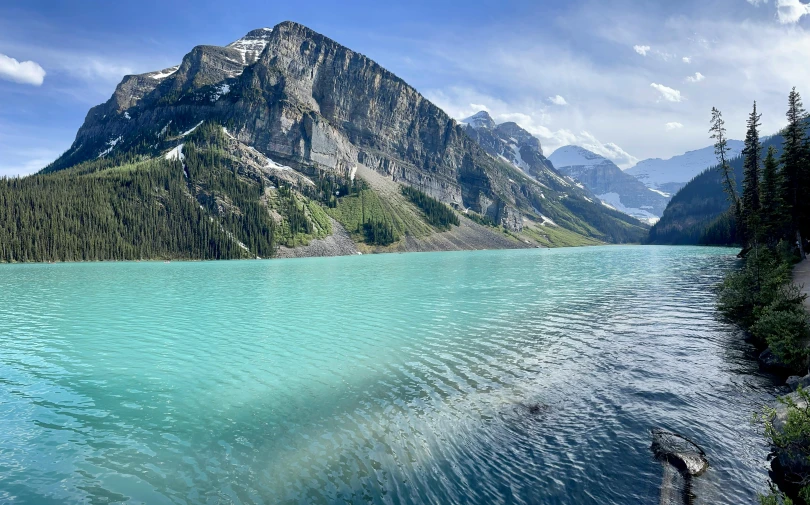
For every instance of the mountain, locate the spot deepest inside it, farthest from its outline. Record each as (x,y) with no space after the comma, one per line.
(287,142)
(516,146)
(698,213)
(672,174)
(609,183)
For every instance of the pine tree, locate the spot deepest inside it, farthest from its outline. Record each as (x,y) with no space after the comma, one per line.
(794,168)
(721,150)
(771,203)
(752,152)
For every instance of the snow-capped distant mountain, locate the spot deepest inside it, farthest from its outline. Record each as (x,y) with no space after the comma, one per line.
(672,174)
(575,156)
(480,120)
(511,143)
(609,183)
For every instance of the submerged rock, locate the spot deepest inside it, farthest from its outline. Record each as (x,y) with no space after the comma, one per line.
(534,409)
(679,452)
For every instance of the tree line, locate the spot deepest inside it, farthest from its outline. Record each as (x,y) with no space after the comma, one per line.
(773,206)
(771,216)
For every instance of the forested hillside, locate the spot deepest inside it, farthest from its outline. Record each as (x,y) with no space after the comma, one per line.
(196,206)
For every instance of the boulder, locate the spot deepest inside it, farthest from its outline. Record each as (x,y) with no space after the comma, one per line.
(679,452)
(794,382)
(770,362)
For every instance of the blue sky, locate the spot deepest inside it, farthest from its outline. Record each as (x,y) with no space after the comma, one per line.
(627,79)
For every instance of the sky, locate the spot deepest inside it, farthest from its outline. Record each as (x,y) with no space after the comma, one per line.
(628,79)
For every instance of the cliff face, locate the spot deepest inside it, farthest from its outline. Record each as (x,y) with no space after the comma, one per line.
(305,100)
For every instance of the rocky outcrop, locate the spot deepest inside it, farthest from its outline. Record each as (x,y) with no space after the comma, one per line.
(790,464)
(680,452)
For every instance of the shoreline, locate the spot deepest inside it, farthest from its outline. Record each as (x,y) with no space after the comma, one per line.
(373,253)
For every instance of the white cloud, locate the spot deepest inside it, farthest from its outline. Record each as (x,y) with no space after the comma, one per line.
(477,107)
(557,100)
(686,59)
(667,93)
(674,126)
(24,72)
(642,50)
(791,11)
(757,3)
(696,78)
(609,150)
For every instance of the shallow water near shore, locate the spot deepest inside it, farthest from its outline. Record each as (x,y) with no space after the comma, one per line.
(531,376)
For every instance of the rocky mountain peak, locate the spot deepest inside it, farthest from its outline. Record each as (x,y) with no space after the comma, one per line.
(480,120)
(522,137)
(250,46)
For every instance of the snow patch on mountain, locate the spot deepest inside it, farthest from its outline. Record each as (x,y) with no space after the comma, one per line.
(187,132)
(606,180)
(480,120)
(111,143)
(162,74)
(220,91)
(175,154)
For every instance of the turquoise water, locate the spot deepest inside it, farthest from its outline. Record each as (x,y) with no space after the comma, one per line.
(476,377)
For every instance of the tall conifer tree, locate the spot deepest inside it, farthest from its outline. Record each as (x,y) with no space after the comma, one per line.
(750,218)
(721,150)
(794,169)
(771,203)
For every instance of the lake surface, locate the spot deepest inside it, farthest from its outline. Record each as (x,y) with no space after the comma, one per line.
(474,377)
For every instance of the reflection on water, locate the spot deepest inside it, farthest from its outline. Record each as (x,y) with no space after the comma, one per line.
(488,377)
